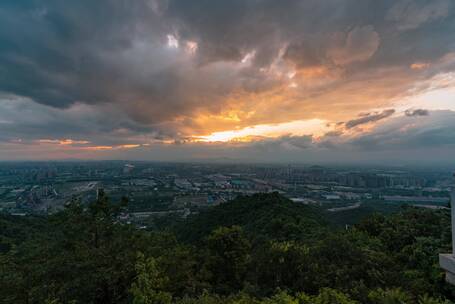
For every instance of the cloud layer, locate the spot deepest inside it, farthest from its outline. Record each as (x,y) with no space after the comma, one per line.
(115,73)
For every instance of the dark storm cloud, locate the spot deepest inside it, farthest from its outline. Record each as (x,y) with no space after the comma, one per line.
(22,119)
(333,134)
(264,25)
(52,51)
(303,55)
(102,70)
(409,15)
(416,112)
(370,117)
(429,131)
(60,52)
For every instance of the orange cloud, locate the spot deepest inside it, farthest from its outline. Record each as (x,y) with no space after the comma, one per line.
(69,144)
(100,148)
(130,146)
(62,141)
(419,65)
(97,148)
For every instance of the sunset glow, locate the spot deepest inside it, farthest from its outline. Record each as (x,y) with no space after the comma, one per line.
(315,127)
(163,79)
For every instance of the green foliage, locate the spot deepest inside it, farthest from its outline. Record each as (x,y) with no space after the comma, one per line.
(228,259)
(262,217)
(283,265)
(398,296)
(282,298)
(425,299)
(149,283)
(80,254)
(330,296)
(389,296)
(262,249)
(15,230)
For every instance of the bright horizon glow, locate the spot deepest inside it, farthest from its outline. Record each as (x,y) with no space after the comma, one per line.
(440,95)
(315,127)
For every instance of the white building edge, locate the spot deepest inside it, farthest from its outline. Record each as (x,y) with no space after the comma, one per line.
(447,261)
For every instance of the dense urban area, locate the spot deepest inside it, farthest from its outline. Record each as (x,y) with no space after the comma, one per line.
(157,189)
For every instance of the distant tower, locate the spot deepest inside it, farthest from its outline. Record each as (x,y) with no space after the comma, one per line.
(128,168)
(447,261)
(99,193)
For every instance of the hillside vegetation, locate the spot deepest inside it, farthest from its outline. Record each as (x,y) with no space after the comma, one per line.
(260,249)
(261,216)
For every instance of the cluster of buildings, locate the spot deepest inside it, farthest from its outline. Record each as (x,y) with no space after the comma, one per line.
(161,187)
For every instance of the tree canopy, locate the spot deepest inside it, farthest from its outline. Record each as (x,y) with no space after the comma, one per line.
(260,249)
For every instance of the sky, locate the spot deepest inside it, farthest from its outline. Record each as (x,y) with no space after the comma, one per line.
(290,81)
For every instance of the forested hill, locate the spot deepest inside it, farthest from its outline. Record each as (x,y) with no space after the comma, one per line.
(262,217)
(261,249)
